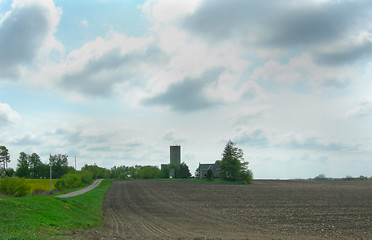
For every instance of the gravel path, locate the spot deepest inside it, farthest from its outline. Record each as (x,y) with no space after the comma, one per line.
(81,191)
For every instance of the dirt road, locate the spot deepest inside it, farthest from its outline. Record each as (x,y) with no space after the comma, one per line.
(264,210)
(81,191)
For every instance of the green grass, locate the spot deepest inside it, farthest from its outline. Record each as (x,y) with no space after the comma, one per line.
(48,217)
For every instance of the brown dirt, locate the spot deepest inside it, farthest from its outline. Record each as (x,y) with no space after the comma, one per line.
(264,210)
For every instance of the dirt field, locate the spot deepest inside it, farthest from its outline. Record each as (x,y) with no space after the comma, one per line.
(264,210)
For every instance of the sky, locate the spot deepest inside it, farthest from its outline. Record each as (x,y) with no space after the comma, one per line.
(117,82)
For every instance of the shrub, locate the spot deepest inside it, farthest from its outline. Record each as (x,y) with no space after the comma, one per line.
(86,176)
(41,185)
(246,177)
(69,180)
(17,187)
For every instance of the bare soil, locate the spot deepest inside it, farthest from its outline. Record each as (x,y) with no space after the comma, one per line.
(263,210)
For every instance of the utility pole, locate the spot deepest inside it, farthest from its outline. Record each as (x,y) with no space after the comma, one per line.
(50,174)
(75,164)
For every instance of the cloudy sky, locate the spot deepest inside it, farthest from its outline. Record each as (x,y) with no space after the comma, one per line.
(118,82)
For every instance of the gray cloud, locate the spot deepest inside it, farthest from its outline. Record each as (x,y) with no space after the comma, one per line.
(27,140)
(335,83)
(256,137)
(345,55)
(188,95)
(173,137)
(22,33)
(277,24)
(99,76)
(364,109)
(312,143)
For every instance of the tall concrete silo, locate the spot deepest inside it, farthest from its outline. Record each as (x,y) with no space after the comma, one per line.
(175,154)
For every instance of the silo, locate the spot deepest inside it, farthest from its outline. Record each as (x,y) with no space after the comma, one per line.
(175,154)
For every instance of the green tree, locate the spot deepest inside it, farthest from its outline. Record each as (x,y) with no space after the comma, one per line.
(97,172)
(133,171)
(197,174)
(44,170)
(149,172)
(4,157)
(180,170)
(34,163)
(233,167)
(9,172)
(121,172)
(59,165)
(184,171)
(22,166)
(164,170)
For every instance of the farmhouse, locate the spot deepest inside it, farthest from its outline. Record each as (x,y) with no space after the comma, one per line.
(203,169)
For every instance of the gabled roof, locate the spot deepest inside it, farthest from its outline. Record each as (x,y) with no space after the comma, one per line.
(206,166)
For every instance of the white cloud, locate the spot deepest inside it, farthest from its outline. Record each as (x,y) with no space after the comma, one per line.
(27,33)
(217,70)
(302,69)
(103,67)
(364,109)
(246,114)
(168,10)
(7,115)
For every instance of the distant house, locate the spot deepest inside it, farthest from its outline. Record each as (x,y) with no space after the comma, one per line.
(203,169)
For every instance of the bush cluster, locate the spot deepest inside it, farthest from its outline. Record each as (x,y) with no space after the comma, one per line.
(72,180)
(17,187)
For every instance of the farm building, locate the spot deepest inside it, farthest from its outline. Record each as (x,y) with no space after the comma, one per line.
(174,158)
(203,169)
(175,154)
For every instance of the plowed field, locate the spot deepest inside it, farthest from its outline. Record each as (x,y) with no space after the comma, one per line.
(264,210)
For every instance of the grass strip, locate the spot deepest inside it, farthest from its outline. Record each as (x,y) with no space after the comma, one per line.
(47,217)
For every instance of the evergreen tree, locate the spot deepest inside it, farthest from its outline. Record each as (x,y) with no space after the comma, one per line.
(22,165)
(4,157)
(233,167)
(184,171)
(34,163)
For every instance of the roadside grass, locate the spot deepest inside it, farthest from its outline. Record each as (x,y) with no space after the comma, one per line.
(48,217)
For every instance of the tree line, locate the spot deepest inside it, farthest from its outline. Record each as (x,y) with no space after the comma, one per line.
(150,172)
(31,166)
(233,167)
